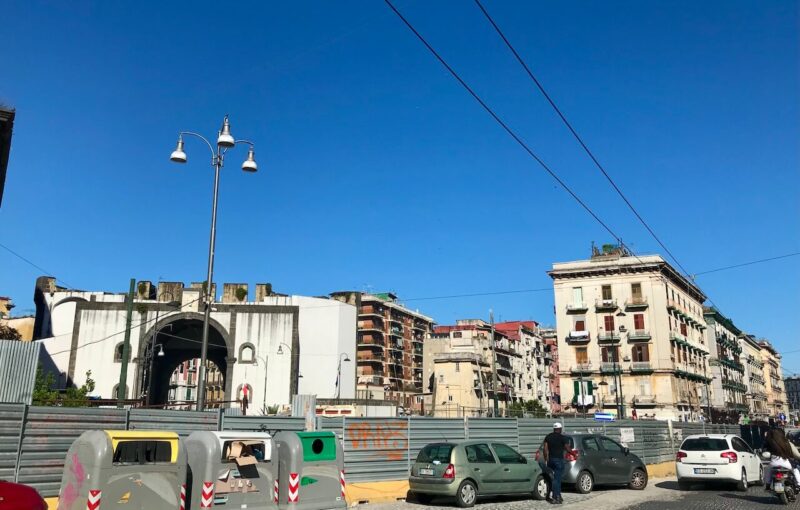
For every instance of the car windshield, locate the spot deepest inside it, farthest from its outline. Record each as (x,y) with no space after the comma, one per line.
(439,452)
(704,444)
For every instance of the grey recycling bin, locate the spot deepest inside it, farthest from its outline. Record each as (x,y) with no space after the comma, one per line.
(125,470)
(231,470)
(310,471)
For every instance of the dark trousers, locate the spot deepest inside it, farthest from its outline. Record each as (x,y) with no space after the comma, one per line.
(557,465)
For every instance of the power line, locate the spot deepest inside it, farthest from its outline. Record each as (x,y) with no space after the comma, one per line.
(506,127)
(577,136)
(40,268)
(747,264)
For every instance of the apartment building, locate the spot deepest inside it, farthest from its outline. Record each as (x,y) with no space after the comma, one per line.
(792,385)
(550,339)
(728,383)
(630,336)
(773,375)
(183,386)
(458,359)
(754,375)
(531,368)
(389,348)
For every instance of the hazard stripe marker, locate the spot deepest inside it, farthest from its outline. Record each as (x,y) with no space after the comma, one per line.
(341,479)
(183,497)
(207,495)
(93,500)
(294,488)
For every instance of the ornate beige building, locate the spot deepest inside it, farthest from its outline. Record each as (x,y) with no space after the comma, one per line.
(754,374)
(630,336)
(773,376)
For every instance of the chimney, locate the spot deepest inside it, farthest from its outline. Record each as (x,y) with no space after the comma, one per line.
(145,290)
(263,290)
(170,291)
(234,293)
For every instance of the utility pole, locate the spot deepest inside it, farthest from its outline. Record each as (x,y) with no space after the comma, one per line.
(494,366)
(126,346)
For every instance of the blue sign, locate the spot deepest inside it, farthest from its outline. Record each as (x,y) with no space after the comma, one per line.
(783,417)
(603,417)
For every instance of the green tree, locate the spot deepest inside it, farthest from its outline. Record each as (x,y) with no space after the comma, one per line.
(43,392)
(79,397)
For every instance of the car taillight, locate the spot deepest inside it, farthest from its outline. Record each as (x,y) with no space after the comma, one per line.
(679,456)
(731,456)
(536,456)
(779,476)
(450,472)
(571,455)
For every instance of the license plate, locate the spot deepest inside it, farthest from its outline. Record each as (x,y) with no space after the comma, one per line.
(426,472)
(704,471)
(777,487)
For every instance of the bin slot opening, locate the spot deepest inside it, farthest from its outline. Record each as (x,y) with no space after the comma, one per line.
(143,452)
(242,451)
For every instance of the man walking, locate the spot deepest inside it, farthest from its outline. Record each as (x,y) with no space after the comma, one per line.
(555,444)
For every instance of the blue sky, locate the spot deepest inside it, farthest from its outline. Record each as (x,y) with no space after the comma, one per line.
(377,171)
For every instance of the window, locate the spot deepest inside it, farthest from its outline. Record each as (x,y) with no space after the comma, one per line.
(609,354)
(636,292)
(644,386)
(118,353)
(606,290)
(640,353)
(456,334)
(479,454)
(704,444)
(580,324)
(247,353)
(683,328)
(577,296)
(608,320)
(507,455)
(189,394)
(638,321)
(590,444)
(435,452)
(458,367)
(142,452)
(581,355)
(740,446)
(610,446)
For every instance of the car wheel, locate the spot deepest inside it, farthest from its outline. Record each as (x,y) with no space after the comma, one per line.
(638,480)
(541,488)
(742,485)
(585,483)
(467,494)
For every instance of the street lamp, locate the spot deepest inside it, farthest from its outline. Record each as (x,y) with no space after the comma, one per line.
(225,141)
(296,382)
(339,374)
(255,363)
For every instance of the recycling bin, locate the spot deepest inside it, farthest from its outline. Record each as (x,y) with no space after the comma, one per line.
(120,469)
(310,471)
(231,470)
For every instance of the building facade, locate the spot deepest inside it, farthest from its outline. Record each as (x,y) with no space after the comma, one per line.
(754,375)
(792,385)
(550,339)
(183,386)
(630,333)
(390,348)
(269,349)
(773,375)
(530,370)
(728,382)
(6,129)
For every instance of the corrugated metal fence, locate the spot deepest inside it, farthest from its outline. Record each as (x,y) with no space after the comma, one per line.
(18,361)
(34,440)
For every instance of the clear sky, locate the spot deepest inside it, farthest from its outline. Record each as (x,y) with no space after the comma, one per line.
(378,172)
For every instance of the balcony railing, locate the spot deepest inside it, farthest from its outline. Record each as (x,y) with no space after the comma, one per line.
(639,335)
(577,307)
(607,367)
(576,337)
(638,303)
(581,368)
(607,337)
(641,366)
(605,304)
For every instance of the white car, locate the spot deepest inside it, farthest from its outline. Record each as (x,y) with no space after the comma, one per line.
(717,458)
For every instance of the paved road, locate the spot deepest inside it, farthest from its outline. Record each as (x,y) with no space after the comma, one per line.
(659,495)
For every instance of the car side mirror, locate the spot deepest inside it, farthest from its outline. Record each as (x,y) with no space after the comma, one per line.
(626,450)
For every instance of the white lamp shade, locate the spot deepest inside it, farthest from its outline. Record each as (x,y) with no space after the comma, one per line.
(249,164)
(178,156)
(225,139)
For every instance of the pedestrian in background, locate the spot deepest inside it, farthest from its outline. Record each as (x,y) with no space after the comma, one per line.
(555,446)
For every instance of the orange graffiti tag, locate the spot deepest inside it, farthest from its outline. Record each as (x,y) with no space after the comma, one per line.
(388,439)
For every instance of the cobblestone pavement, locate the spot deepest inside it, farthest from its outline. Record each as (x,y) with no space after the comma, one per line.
(601,499)
(709,498)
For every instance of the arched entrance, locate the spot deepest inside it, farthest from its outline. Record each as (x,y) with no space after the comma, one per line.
(170,361)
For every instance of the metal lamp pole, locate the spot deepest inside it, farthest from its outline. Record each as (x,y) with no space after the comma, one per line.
(339,375)
(225,141)
(265,359)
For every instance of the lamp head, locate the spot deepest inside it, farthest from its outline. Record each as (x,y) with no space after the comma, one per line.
(225,139)
(160,351)
(178,156)
(280,349)
(249,164)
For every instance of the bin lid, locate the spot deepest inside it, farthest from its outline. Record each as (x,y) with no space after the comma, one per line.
(318,446)
(121,436)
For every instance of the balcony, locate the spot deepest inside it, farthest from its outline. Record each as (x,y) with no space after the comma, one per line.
(607,337)
(679,339)
(370,326)
(368,311)
(609,367)
(369,360)
(639,335)
(577,308)
(644,400)
(605,305)
(578,337)
(641,366)
(638,303)
(581,368)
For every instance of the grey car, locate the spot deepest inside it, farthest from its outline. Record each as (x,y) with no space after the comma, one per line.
(595,459)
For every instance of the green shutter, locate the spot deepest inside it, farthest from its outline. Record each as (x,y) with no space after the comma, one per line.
(577,391)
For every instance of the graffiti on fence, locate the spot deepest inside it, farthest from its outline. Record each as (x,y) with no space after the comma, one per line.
(380,436)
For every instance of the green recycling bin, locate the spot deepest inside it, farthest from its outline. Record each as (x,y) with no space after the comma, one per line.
(310,471)
(125,470)
(230,470)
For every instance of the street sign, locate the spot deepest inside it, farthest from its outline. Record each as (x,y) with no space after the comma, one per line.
(603,417)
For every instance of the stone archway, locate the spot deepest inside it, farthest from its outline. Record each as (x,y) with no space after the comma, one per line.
(179,337)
